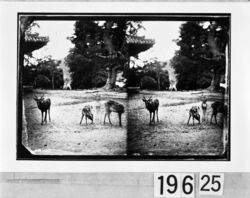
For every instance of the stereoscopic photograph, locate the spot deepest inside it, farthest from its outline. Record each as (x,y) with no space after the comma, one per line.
(123,86)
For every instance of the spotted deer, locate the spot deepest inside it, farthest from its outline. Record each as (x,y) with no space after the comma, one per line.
(152,106)
(87,112)
(194,113)
(218,107)
(204,108)
(113,106)
(44,106)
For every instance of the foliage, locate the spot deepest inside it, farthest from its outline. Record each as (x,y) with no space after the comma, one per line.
(94,41)
(29,74)
(45,67)
(134,76)
(147,82)
(42,81)
(153,75)
(201,55)
(157,70)
(164,81)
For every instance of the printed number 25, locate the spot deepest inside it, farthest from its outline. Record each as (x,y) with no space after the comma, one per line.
(211,184)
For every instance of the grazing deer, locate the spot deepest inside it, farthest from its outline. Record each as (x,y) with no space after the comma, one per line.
(152,106)
(218,107)
(204,109)
(44,106)
(113,106)
(86,111)
(194,113)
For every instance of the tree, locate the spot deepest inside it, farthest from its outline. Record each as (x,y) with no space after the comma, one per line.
(49,68)
(153,75)
(157,70)
(46,67)
(200,61)
(99,46)
(218,38)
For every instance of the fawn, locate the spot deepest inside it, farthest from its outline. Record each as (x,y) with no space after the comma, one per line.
(152,106)
(113,106)
(194,113)
(44,106)
(86,111)
(204,109)
(218,107)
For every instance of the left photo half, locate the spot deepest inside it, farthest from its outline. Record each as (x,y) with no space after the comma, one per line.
(71,96)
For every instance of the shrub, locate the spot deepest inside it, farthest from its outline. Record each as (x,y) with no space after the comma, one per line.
(58,80)
(99,79)
(164,81)
(42,81)
(148,82)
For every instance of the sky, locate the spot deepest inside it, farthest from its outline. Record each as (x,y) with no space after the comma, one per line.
(57,31)
(164,32)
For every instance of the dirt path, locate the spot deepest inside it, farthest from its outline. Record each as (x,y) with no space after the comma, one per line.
(64,134)
(171,136)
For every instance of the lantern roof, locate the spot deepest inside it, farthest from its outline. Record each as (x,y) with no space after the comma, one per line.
(34,42)
(137,44)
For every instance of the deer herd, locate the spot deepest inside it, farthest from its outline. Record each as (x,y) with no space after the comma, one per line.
(152,105)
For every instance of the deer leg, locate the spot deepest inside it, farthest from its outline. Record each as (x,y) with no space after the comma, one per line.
(104,118)
(120,119)
(42,117)
(157,115)
(215,118)
(211,118)
(153,117)
(189,119)
(193,120)
(150,118)
(45,117)
(81,118)
(49,114)
(109,118)
(86,119)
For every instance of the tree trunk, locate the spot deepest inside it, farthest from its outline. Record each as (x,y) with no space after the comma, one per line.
(112,74)
(109,46)
(159,82)
(215,83)
(53,80)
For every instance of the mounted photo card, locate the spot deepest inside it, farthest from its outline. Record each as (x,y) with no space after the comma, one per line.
(123,86)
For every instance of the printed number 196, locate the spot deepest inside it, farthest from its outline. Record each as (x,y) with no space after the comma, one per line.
(174,185)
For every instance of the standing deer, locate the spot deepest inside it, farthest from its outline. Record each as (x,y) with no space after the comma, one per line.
(86,111)
(204,109)
(218,107)
(194,113)
(44,106)
(152,106)
(113,106)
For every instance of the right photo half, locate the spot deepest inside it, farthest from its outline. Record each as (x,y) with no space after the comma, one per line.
(178,84)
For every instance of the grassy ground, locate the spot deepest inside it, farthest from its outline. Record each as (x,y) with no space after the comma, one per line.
(64,135)
(171,136)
